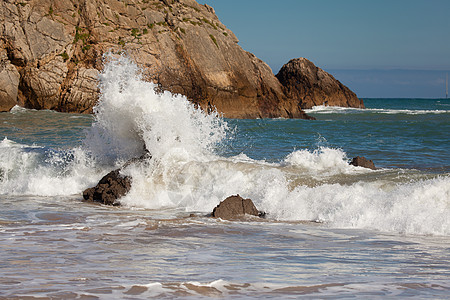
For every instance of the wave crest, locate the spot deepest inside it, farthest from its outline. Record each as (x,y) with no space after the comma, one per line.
(132,115)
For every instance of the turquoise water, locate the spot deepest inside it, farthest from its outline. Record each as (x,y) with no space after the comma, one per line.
(44,128)
(394,133)
(373,236)
(332,230)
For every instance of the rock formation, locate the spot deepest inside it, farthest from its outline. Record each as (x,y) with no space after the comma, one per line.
(234,207)
(361,161)
(114,185)
(311,86)
(109,189)
(51,53)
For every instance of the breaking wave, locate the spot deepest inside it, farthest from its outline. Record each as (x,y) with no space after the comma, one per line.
(323,109)
(186,173)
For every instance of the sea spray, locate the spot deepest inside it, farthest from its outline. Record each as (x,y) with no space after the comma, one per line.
(132,116)
(419,207)
(186,172)
(34,170)
(322,161)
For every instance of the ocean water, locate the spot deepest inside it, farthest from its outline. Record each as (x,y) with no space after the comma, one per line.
(332,230)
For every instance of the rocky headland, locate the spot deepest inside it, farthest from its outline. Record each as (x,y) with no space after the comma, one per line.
(51,54)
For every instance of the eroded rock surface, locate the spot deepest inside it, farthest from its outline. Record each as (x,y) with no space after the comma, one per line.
(9,81)
(361,161)
(311,86)
(51,53)
(109,189)
(235,207)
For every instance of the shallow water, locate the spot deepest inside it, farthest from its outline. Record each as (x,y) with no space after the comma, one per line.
(332,230)
(66,249)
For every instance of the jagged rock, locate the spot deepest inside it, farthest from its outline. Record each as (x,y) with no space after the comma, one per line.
(312,86)
(361,161)
(40,88)
(109,189)
(234,207)
(80,99)
(114,185)
(56,47)
(9,82)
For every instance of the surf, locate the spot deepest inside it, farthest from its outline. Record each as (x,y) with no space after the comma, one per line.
(323,109)
(190,171)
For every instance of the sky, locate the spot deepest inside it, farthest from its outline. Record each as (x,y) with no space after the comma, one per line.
(379,49)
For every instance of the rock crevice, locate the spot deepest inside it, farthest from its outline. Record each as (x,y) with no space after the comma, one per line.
(51,53)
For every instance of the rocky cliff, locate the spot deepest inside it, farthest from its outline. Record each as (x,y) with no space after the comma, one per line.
(51,53)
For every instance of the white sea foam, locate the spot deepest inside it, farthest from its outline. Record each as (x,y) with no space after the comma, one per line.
(323,109)
(17,109)
(420,207)
(132,114)
(321,161)
(185,173)
(32,170)
(267,289)
(332,109)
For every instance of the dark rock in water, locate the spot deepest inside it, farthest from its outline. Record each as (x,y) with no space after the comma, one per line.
(234,207)
(361,161)
(109,189)
(113,185)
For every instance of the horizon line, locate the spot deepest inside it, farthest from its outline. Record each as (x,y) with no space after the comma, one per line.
(389,69)
(404,98)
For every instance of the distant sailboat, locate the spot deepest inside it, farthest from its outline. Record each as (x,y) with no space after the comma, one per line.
(446,86)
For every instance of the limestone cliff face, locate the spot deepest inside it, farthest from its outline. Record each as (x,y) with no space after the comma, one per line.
(51,53)
(312,86)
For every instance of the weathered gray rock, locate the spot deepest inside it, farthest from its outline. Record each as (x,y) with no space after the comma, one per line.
(312,86)
(361,161)
(235,207)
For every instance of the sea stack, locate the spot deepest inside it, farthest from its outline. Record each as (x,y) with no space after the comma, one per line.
(311,86)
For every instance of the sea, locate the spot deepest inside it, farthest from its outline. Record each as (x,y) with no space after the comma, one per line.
(331,230)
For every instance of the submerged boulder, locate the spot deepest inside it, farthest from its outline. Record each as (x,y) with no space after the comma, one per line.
(234,207)
(361,161)
(109,189)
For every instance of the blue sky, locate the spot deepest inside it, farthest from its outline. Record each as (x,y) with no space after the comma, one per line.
(395,48)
